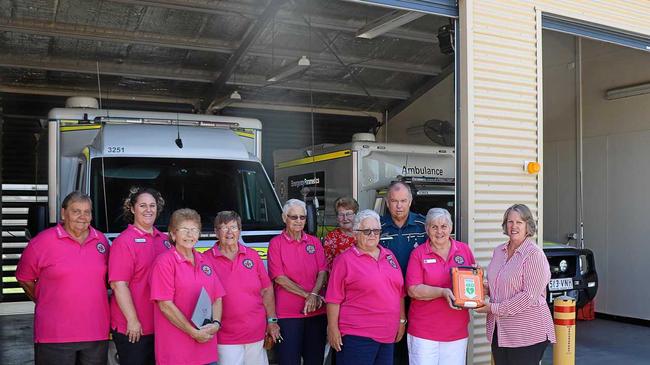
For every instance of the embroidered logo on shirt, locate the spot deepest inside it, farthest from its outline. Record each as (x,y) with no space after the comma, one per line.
(391,261)
(248,263)
(140,240)
(310,249)
(459,259)
(167,244)
(101,248)
(207,270)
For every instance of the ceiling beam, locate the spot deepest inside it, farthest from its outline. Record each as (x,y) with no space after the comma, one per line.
(230,8)
(430,84)
(112,35)
(171,73)
(114,95)
(251,36)
(106,68)
(320,87)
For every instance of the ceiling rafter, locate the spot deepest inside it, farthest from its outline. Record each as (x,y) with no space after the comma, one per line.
(39,27)
(283,16)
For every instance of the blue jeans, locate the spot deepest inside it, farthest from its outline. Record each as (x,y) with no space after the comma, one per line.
(358,350)
(303,338)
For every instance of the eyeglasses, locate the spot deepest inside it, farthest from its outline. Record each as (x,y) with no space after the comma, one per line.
(368,232)
(345,215)
(229,228)
(297,217)
(188,231)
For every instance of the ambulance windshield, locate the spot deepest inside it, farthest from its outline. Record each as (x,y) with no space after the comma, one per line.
(208,186)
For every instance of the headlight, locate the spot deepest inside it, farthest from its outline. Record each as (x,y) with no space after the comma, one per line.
(563,266)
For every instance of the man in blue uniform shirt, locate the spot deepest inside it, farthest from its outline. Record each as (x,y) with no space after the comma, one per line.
(401,229)
(401,232)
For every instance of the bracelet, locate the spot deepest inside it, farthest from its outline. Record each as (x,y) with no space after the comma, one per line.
(403,321)
(317,295)
(272,320)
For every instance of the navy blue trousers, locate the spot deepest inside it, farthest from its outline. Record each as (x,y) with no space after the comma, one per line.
(358,350)
(303,338)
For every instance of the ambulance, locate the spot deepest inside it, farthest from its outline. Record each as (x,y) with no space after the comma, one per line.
(204,162)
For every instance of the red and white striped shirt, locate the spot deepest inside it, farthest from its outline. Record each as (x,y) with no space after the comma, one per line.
(518,296)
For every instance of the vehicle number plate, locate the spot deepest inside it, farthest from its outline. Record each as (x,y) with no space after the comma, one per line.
(560,284)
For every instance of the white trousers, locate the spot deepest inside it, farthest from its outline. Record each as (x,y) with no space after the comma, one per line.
(247,354)
(427,352)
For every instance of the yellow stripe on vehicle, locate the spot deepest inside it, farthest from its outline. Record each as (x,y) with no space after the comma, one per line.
(245,134)
(80,127)
(12,291)
(263,251)
(317,158)
(9,279)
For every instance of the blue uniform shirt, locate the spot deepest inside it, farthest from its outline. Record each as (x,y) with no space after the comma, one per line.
(403,240)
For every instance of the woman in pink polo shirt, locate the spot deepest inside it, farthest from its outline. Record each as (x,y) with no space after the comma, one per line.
(249,308)
(519,322)
(342,238)
(298,268)
(365,298)
(63,270)
(129,265)
(437,332)
(177,279)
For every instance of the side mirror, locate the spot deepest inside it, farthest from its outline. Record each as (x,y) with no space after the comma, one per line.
(36,220)
(311,226)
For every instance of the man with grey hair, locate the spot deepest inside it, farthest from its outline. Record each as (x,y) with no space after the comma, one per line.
(401,229)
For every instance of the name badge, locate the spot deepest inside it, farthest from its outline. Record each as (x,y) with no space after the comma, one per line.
(140,240)
(430,261)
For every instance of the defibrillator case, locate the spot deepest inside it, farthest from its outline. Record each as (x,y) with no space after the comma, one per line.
(467,286)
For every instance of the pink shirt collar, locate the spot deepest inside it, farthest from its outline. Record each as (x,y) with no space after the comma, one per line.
(452,249)
(180,258)
(141,233)
(524,245)
(241,249)
(62,233)
(382,251)
(303,237)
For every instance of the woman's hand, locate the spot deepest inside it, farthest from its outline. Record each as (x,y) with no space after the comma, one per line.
(334,337)
(204,334)
(273,329)
(312,302)
(484,309)
(400,331)
(134,331)
(449,295)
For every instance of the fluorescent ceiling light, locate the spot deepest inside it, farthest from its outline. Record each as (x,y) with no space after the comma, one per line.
(388,22)
(290,69)
(627,91)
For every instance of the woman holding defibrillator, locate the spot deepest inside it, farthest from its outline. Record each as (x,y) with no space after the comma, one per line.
(437,331)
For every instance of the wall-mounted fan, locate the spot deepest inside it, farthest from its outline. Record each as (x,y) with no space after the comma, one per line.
(440,132)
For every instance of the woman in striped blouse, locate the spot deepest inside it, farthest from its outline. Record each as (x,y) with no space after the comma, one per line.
(519,322)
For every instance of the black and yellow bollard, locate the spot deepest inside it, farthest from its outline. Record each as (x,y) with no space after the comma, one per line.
(564,318)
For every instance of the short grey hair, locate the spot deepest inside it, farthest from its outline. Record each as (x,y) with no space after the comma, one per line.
(397,185)
(435,213)
(365,214)
(293,203)
(525,214)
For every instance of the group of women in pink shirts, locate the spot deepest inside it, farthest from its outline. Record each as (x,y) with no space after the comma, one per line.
(351,297)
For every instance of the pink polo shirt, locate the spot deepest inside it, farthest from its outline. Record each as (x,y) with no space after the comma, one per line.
(131,258)
(174,278)
(433,319)
(244,316)
(300,261)
(369,293)
(71,294)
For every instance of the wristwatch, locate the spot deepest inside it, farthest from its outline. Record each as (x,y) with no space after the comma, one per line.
(403,321)
(272,320)
(217,322)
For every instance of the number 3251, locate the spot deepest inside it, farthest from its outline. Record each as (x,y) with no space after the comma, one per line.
(115,149)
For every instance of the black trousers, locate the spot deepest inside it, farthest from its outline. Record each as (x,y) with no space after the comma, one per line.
(528,355)
(71,353)
(304,338)
(139,353)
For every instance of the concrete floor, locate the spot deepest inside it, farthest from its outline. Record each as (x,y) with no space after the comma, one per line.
(598,342)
